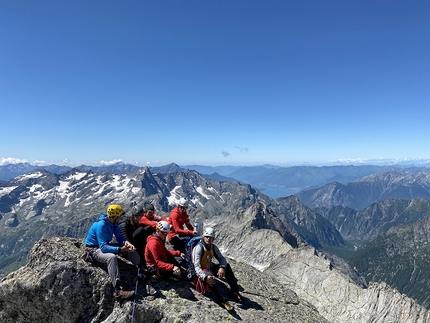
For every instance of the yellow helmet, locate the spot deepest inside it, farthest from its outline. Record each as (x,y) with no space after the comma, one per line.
(114,210)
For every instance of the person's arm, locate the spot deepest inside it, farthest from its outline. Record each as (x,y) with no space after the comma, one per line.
(119,237)
(222,261)
(103,238)
(157,250)
(125,245)
(123,228)
(144,221)
(159,218)
(218,255)
(177,227)
(174,253)
(188,223)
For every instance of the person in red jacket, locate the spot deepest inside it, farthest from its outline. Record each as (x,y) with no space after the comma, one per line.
(165,263)
(178,236)
(149,218)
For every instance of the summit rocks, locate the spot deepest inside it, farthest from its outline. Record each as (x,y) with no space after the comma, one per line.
(58,286)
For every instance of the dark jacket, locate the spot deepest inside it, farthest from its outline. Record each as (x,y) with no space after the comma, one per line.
(127,228)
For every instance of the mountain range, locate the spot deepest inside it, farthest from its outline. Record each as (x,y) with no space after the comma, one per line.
(42,204)
(403,184)
(367,224)
(273,181)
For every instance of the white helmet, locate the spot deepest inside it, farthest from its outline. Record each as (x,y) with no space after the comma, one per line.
(209,232)
(163,226)
(183,202)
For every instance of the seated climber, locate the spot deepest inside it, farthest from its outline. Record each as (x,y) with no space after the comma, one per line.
(149,219)
(206,271)
(130,230)
(98,242)
(178,236)
(161,261)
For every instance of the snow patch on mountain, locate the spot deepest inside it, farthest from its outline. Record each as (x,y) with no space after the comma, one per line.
(29,176)
(62,188)
(196,201)
(77,176)
(6,190)
(174,197)
(201,191)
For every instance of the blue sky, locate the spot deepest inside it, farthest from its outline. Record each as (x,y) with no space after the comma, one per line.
(237,82)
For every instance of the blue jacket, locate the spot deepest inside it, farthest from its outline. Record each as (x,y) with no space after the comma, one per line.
(100,234)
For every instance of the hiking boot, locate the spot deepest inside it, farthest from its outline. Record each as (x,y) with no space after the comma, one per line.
(236,296)
(123,294)
(227,305)
(150,290)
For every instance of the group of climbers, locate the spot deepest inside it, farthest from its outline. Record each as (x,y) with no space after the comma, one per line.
(141,238)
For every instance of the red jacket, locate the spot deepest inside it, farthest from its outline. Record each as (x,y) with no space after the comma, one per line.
(156,253)
(177,221)
(150,219)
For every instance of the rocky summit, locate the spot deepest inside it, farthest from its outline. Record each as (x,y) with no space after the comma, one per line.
(57,285)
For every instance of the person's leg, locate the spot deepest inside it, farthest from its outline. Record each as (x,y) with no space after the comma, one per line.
(112,264)
(229,276)
(217,293)
(201,286)
(167,274)
(113,270)
(176,243)
(180,263)
(139,239)
(184,242)
(133,257)
(149,230)
(180,242)
(231,279)
(219,298)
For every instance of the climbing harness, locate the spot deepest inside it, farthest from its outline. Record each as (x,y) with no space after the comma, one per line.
(88,255)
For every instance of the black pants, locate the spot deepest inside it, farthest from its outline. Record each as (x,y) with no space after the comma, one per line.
(139,240)
(229,276)
(180,242)
(178,262)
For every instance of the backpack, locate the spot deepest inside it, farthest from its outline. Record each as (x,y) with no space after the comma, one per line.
(189,254)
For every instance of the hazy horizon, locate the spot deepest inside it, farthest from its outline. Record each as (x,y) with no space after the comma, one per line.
(379,162)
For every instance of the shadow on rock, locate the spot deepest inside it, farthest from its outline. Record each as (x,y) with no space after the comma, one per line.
(154,286)
(247,303)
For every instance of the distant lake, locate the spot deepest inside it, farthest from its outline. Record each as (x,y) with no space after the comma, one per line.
(275,192)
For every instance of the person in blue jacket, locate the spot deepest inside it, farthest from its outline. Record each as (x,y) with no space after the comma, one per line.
(98,238)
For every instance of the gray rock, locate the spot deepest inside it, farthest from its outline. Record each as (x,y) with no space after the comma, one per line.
(12,221)
(58,286)
(326,282)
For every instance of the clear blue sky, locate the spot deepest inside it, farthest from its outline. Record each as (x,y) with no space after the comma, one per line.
(237,82)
